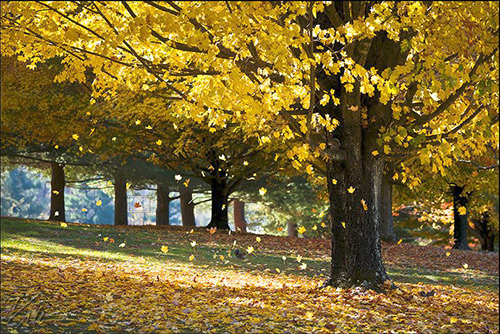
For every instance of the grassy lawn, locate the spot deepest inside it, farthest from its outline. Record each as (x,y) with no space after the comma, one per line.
(86,278)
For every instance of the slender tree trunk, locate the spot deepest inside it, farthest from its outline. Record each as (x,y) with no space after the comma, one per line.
(121,214)
(240,224)
(292,228)
(219,217)
(162,205)
(387,233)
(485,232)
(187,206)
(460,199)
(57,183)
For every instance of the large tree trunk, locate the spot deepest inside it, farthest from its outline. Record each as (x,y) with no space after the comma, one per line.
(460,199)
(292,228)
(162,205)
(387,233)
(485,232)
(57,183)
(219,217)
(240,224)
(121,214)
(187,206)
(356,255)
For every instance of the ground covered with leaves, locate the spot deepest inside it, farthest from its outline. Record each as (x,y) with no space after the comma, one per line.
(82,278)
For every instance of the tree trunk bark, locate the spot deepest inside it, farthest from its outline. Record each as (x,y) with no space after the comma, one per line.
(240,224)
(486,233)
(121,214)
(292,228)
(460,221)
(187,206)
(219,217)
(57,183)
(162,205)
(387,233)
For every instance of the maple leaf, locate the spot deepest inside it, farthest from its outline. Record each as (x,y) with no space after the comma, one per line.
(98,203)
(250,249)
(159,142)
(186,183)
(262,191)
(212,230)
(164,249)
(193,243)
(105,239)
(75,136)
(137,205)
(351,190)
(257,239)
(301,230)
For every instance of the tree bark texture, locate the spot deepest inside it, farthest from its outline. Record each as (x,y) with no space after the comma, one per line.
(485,232)
(57,183)
(162,205)
(121,214)
(387,232)
(460,199)
(240,224)
(187,206)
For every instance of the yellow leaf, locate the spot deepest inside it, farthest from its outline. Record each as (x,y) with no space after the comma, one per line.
(400,241)
(301,229)
(186,183)
(56,147)
(353,108)
(278,270)
(257,239)
(334,181)
(299,258)
(448,253)
(303,266)
(374,153)
(193,243)
(192,231)
(109,297)
(221,257)
(315,227)
(466,265)
(81,148)
(323,225)
(75,136)
(453,320)
(64,225)
(158,142)
(351,189)
(98,203)
(122,245)
(105,238)
(137,122)
(191,258)
(365,207)
(84,210)
(212,130)
(343,224)
(462,210)
(250,249)
(164,249)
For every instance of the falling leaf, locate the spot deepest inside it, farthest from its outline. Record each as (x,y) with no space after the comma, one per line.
(453,320)
(193,243)
(245,163)
(149,127)
(64,225)
(448,253)
(278,270)
(137,205)
(111,240)
(56,147)
(334,181)
(113,139)
(122,245)
(353,108)
(315,227)
(105,238)
(343,224)
(192,231)
(56,213)
(280,229)
(186,183)
(400,241)
(137,122)
(164,249)
(466,265)
(212,130)
(262,191)
(365,207)
(462,210)
(257,239)
(98,203)
(212,230)
(284,258)
(323,224)
(351,189)
(158,142)
(299,258)
(80,148)
(84,210)
(250,249)
(301,230)
(303,266)
(374,153)
(191,258)
(178,177)
(221,257)
(75,136)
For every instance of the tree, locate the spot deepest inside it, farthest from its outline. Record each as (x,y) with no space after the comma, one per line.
(350,84)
